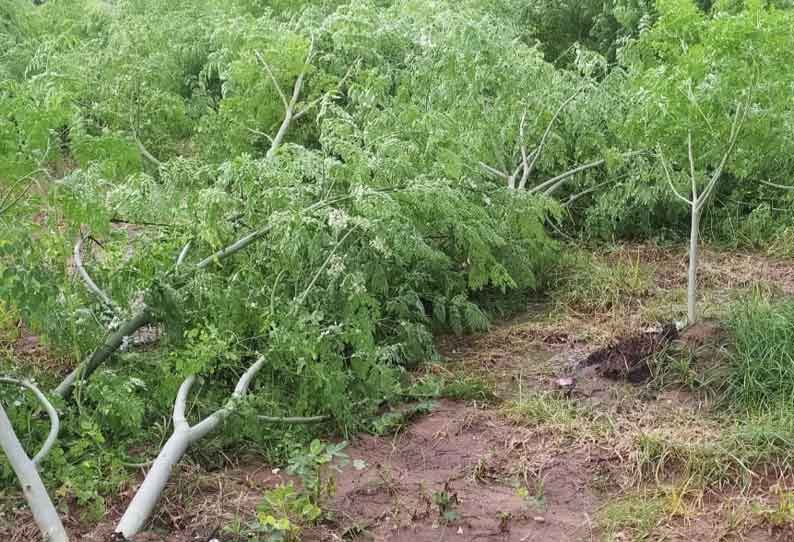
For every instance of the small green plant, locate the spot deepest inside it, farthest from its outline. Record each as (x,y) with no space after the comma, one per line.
(313,466)
(285,511)
(393,421)
(447,503)
(537,495)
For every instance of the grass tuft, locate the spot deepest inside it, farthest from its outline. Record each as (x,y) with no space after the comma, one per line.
(762,368)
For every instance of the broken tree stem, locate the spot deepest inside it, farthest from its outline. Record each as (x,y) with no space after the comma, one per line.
(145,499)
(101,354)
(44,513)
(55,422)
(89,282)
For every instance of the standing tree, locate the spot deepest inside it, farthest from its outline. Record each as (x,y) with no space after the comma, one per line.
(686,74)
(698,200)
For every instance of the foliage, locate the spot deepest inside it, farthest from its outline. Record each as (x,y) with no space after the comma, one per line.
(394,420)
(285,511)
(148,126)
(762,363)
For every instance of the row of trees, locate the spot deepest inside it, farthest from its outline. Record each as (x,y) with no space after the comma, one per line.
(305,191)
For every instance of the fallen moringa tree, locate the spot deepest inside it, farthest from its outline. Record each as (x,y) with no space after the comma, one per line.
(119,334)
(147,495)
(520,176)
(184,434)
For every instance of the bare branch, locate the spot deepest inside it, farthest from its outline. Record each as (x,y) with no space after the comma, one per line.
(692,169)
(145,152)
(775,185)
(295,420)
(555,182)
(738,121)
(305,293)
(111,344)
(289,107)
(527,168)
(89,283)
(9,200)
(575,197)
(183,253)
(260,133)
(243,242)
(670,179)
(55,423)
(273,79)
(44,513)
(493,171)
(180,403)
(145,499)
(539,150)
(319,99)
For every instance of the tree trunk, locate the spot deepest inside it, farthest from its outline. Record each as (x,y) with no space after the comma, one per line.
(44,512)
(691,297)
(145,499)
(112,343)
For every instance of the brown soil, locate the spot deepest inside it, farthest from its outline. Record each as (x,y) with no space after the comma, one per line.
(627,358)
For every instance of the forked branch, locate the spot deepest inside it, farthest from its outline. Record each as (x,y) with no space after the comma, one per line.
(290,113)
(185,435)
(89,283)
(44,513)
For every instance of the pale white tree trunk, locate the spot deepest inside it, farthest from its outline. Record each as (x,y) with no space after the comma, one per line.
(145,499)
(44,513)
(694,254)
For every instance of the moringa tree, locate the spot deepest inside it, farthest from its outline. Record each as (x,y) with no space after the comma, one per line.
(699,196)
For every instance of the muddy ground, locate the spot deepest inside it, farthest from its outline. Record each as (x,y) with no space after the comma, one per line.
(514,468)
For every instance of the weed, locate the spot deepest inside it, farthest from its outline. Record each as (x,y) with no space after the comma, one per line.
(313,465)
(447,502)
(393,421)
(285,511)
(632,518)
(593,286)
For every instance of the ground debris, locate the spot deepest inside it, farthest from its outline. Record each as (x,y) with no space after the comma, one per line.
(627,358)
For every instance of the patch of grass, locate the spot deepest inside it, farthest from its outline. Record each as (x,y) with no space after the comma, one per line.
(557,415)
(631,518)
(762,368)
(536,409)
(730,454)
(458,386)
(591,285)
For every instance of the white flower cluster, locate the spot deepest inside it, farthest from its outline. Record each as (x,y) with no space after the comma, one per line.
(338,219)
(380,245)
(336,266)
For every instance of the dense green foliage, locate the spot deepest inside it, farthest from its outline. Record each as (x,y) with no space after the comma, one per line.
(763,361)
(147,124)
